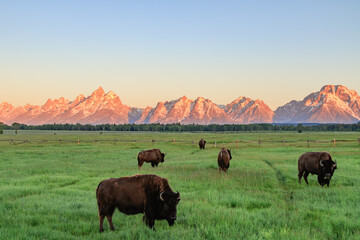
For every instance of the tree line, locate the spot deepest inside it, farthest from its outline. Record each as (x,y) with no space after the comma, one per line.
(185,128)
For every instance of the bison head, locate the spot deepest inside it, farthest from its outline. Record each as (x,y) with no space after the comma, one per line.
(327,168)
(170,201)
(162,157)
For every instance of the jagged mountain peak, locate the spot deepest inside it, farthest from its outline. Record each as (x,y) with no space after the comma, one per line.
(5,104)
(247,110)
(184,98)
(335,89)
(200,99)
(98,93)
(332,104)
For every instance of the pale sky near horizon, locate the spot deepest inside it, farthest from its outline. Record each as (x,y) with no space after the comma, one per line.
(151,51)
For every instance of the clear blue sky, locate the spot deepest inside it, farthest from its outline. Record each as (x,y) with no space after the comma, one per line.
(150,51)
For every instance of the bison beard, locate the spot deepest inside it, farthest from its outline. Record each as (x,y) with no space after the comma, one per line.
(148,194)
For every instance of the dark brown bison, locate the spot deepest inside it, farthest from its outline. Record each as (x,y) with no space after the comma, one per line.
(319,163)
(148,194)
(224,159)
(202,143)
(153,156)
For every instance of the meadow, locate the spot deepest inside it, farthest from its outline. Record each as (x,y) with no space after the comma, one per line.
(47,189)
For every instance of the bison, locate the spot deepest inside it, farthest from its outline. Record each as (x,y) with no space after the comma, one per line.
(319,163)
(224,158)
(148,194)
(202,143)
(153,156)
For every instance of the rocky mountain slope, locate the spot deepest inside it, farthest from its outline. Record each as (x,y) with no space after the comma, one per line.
(245,110)
(332,104)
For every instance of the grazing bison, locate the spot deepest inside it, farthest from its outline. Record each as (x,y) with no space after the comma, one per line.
(153,156)
(319,163)
(202,143)
(148,194)
(224,159)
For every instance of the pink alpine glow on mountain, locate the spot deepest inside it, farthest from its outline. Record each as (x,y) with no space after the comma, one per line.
(332,104)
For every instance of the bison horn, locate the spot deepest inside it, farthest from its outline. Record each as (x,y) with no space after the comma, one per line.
(321,163)
(161,198)
(178,195)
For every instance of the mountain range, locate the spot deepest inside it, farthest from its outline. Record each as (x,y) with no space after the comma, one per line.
(332,104)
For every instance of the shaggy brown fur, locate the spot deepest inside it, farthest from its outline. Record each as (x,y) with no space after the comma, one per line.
(148,194)
(224,158)
(202,143)
(319,163)
(153,156)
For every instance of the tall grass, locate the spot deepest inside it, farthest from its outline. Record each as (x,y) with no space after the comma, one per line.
(47,190)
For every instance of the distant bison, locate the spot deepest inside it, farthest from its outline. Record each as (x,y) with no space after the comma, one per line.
(202,143)
(153,156)
(319,163)
(148,194)
(224,159)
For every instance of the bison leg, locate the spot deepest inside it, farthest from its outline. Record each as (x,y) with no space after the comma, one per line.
(149,219)
(301,172)
(157,164)
(153,164)
(305,177)
(101,218)
(108,212)
(109,218)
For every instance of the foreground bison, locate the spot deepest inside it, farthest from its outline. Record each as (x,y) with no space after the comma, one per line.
(148,194)
(153,156)
(202,143)
(319,163)
(224,159)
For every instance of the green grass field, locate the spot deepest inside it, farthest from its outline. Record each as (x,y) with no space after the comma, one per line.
(47,189)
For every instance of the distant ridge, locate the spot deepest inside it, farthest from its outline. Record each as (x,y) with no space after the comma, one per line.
(332,104)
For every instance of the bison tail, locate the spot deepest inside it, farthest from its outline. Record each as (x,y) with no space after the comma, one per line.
(97,195)
(97,189)
(100,204)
